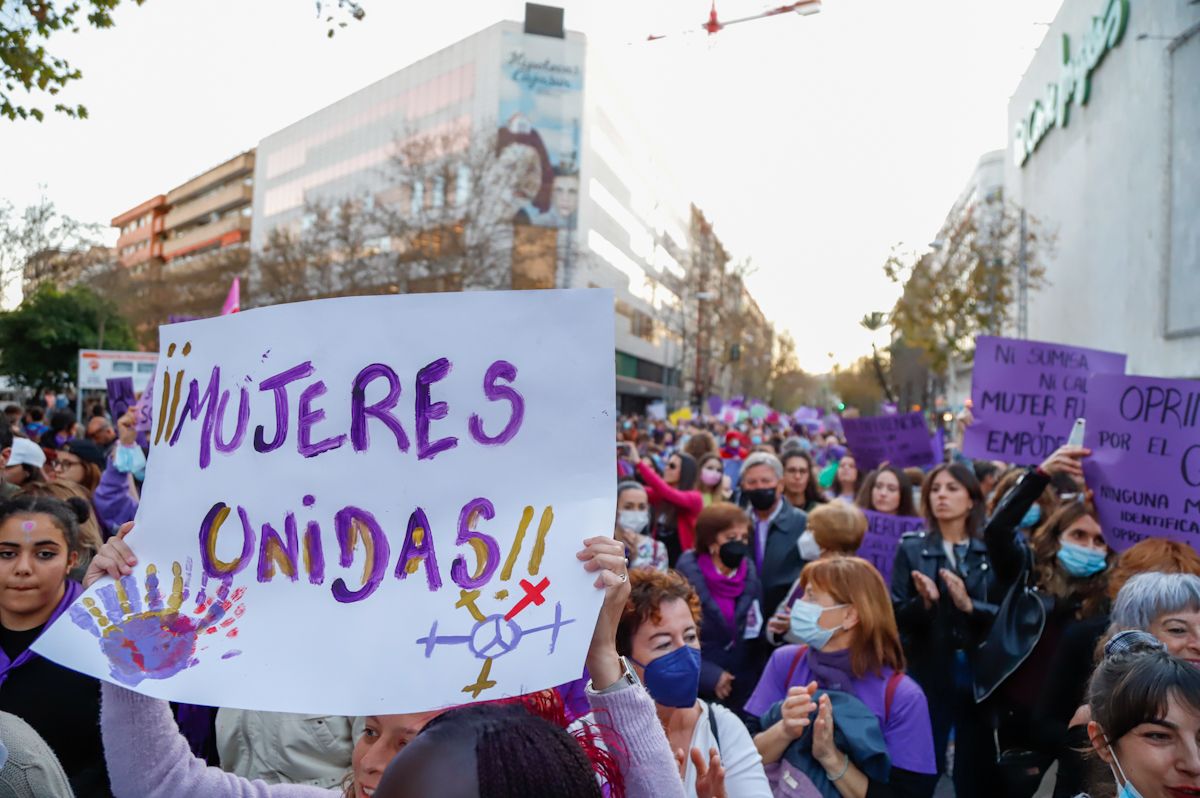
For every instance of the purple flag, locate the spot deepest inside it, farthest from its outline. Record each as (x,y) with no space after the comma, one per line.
(1027,395)
(120,396)
(1144,470)
(902,441)
(883,538)
(714,405)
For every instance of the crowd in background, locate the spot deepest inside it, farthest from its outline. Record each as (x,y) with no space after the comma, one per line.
(744,649)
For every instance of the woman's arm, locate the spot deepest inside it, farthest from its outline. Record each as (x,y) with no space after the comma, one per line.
(688,501)
(149,758)
(113,499)
(910,609)
(1006,548)
(647,763)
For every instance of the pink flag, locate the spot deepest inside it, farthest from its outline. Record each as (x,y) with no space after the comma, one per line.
(233,302)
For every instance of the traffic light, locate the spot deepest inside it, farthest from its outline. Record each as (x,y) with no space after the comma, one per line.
(841,406)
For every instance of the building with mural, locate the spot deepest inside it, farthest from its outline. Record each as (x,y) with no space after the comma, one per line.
(1103,152)
(506,160)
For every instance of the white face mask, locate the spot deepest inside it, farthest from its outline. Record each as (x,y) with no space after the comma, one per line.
(633,520)
(809,550)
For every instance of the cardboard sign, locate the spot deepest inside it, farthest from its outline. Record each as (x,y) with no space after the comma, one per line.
(901,440)
(883,538)
(363,505)
(1027,395)
(120,396)
(1144,470)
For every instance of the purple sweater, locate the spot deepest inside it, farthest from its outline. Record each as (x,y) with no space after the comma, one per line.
(114,500)
(148,757)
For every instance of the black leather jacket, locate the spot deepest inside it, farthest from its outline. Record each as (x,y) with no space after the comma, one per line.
(932,635)
(1023,610)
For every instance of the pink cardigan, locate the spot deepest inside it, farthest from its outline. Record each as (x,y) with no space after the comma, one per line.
(687,503)
(148,757)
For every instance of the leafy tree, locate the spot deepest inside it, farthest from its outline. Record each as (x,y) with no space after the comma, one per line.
(41,339)
(858,387)
(968,285)
(26,27)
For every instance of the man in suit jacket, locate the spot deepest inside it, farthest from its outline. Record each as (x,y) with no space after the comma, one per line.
(775,528)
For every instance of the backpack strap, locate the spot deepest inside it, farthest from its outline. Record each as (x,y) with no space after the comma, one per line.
(890,693)
(800,652)
(712,725)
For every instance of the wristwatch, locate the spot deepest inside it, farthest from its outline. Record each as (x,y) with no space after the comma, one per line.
(628,678)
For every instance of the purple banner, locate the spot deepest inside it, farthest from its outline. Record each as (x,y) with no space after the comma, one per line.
(714,405)
(899,440)
(1027,395)
(120,396)
(1144,470)
(883,538)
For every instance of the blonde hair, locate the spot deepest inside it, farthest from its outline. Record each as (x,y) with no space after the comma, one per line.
(838,527)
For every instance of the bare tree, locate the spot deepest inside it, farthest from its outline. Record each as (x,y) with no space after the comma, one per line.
(43,241)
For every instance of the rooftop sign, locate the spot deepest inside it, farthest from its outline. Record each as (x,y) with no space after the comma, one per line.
(1074,81)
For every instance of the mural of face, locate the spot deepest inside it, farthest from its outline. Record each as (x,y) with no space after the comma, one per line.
(566,195)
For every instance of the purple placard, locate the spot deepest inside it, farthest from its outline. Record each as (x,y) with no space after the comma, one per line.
(145,406)
(1026,396)
(900,440)
(883,538)
(120,396)
(938,443)
(714,405)
(1144,471)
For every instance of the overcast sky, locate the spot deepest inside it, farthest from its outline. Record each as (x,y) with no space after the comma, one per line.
(814,144)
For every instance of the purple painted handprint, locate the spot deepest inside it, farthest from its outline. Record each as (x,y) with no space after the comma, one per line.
(160,640)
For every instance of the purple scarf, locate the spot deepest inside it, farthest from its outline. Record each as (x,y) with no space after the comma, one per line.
(831,670)
(724,589)
(72,591)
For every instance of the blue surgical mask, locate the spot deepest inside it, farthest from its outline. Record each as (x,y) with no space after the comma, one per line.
(805,628)
(1081,562)
(673,680)
(1031,518)
(756,439)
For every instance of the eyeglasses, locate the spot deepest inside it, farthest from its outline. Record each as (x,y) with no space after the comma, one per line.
(62,465)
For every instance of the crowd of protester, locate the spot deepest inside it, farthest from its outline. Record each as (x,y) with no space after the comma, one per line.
(743,650)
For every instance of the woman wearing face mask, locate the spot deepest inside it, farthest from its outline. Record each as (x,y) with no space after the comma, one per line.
(726,581)
(658,634)
(849,645)
(887,490)
(800,486)
(712,469)
(847,480)
(39,545)
(1145,727)
(633,519)
(835,529)
(941,583)
(674,500)
(1051,585)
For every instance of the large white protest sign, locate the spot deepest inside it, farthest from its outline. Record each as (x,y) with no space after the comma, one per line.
(365,505)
